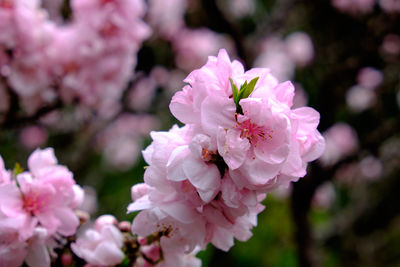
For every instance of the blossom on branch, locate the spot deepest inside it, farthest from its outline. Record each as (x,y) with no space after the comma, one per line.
(37,207)
(241,140)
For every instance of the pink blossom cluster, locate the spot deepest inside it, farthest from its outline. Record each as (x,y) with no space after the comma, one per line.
(205,180)
(362,7)
(341,141)
(89,59)
(282,56)
(363,95)
(100,245)
(37,208)
(122,140)
(354,7)
(191,46)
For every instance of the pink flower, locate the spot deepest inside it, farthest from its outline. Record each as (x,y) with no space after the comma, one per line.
(241,8)
(142,94)
(121,140)
(189,163)
(369,77)
(176,227)
(300,48)
(263,142)
(100,246)
(33,136)
(44,195)
(167,17)
(274,55)
(324,196)
(371,168)
(390,6)
(354,7)
(359,98)
(391,44)
(192,47)
(341,140)
(212,174)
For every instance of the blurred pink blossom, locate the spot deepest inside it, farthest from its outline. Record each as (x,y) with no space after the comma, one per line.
(242,8)
(354,7)
(359,98)
(341,140)
(167,16)
(371,168)
(273,55)
(121,141)
(142,94)
(33,136)
(369,78)
(391,44)
(390,6)
(192,47)
(300,48)
(324,196)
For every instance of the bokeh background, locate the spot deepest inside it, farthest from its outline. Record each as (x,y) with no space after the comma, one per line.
(342,56)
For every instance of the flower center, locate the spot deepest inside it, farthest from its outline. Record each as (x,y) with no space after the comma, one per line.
(253,132)
(34,203)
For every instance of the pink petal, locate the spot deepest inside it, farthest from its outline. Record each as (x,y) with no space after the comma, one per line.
(232,148)
(217,112)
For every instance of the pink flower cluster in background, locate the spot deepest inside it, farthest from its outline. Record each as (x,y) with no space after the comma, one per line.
(283,56)
(122,140)
(362,7)
(236,146)
(37,208)
(363,95)
(341,141)
(89,59)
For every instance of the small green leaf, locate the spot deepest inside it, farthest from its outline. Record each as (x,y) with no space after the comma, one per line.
(234,90)
(245,90)
(18,169)
(249,88)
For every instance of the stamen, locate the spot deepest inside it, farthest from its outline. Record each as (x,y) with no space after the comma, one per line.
(253,132)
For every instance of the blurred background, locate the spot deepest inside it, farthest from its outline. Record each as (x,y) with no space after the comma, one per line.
(342,56)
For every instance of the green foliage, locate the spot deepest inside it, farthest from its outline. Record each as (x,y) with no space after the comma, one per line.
(245,90)
(17,169)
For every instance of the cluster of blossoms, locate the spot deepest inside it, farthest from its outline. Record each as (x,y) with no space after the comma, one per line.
(241,140)
(42,222)
(89,59)
(37,209)
(362,7)
(363,95)
(282,56)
